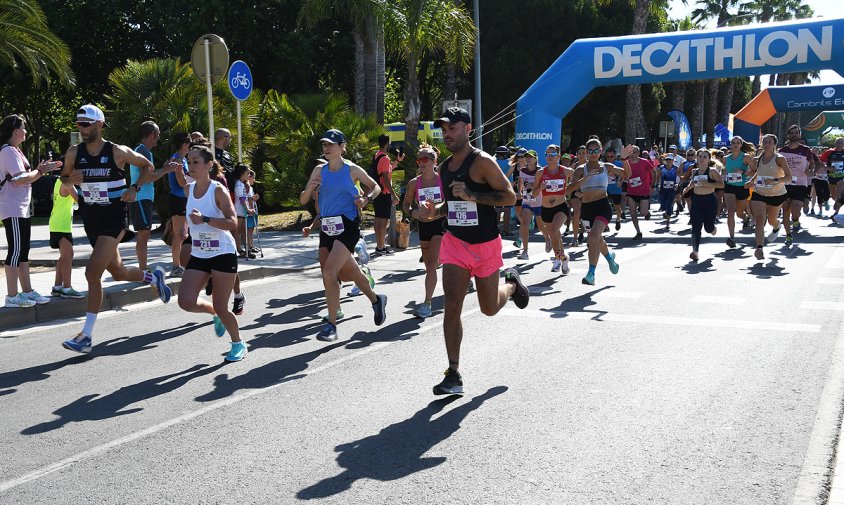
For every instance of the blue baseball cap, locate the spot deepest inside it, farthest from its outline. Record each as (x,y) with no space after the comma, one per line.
(333,136)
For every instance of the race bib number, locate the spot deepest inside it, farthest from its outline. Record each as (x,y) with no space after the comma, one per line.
(432,194)
(95,192)
(332,225)
(528,197)
(734,177)
(765,182)
(208,241)
(668,184)
(635,182)
(822,176)
(700,179)
(461,213)
(555,185)
(838,166)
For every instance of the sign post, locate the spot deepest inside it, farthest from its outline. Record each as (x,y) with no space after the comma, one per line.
(240,84)
(209,61)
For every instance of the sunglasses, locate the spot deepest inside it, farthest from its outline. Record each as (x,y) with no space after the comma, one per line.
(423,159)
(594,151)
(551,155)
(84,124)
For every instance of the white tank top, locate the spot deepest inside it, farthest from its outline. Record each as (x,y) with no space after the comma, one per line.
(207,241)
(770,178)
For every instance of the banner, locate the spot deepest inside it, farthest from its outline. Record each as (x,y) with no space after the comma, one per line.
(682,130)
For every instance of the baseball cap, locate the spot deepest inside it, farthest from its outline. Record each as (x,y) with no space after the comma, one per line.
(672,146)
(669,156)
(502,150)
(333,136)
(565,156)
(453,115)
(521,152)
(531,153)
(90,112)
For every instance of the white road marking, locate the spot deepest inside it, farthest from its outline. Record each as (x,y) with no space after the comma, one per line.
(718,300)
(837,259)
(822,305)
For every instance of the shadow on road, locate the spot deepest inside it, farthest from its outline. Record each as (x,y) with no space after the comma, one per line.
(398,450)
(769,271)
(693,267)
(578,304)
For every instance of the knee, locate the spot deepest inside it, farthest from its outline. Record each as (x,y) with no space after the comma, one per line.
(488,310)
(187,304)
(221,307)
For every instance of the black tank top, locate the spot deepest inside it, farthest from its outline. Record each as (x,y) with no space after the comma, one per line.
(487,227)
(101,169)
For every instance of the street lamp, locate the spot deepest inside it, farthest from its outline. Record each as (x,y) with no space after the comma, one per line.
(738,16)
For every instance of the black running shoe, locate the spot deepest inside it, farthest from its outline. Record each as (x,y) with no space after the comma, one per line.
(452,384)
(237,305)
(521,296)
(648,216)
(328,333)
(617,225)
(208,288)
(638,236)
(379,308)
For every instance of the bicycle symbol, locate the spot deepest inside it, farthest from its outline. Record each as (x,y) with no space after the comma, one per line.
(240,80)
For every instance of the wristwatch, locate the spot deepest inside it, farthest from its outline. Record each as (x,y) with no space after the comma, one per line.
(136,187)
(206,219)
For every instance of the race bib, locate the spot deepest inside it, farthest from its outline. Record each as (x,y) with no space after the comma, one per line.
(838,166)
(95,192)
(667,184)
(555,185)
(332,225)
(793,180)
(822,176)
(765,182)
(208,241)
(734,177)
(528,197)
(635,182)
(700,179)
(432,194)
(462,213)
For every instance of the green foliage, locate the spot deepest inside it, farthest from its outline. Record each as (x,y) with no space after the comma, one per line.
(828,139)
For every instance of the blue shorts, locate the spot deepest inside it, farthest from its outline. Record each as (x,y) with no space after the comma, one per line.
(251,221)
(537,211)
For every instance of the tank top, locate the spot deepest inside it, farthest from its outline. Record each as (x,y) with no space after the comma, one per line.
(175,189)
(669,177)
(698,176)
(835,161)
(433,193)
(103,182)
(61,217)
(798,162)
(528,198)
(208,241)
(769,177)
(639,183)
(337,193)
(471,222)
(553,184)
(594,182)
(736,170)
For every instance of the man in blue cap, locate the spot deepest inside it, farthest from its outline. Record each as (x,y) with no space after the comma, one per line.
(502,157)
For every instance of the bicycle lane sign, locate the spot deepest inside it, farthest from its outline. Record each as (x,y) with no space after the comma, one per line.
(240,80)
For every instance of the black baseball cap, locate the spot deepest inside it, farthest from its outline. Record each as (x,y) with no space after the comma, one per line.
(502,150)
(453,115)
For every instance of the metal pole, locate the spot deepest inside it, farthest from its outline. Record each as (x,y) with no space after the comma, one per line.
(208,89)
(239,137)
(479,120)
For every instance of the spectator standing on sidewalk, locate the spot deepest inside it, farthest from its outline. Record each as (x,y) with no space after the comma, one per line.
(381,169)
(65,200)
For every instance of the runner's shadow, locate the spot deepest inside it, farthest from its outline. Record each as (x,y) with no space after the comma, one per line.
(398,450)
(698,268)
(300,308)
(578,304)
(544,288)
(96,408)
(732,254)
(762,271)
(400,277)
(792,252)
(400,330)
(629,243)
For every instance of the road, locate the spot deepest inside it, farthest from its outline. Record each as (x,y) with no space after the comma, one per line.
(715,383)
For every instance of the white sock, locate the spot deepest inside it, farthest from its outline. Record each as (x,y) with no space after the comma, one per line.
(57,287)
(238,295)
(90,319)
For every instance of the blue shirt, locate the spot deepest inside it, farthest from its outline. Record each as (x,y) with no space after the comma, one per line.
(175,189)
(613,188)
(337,193)
(147,191)
(505,166)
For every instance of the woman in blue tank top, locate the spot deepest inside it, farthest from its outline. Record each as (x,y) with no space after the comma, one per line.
(737,164)
(339,204)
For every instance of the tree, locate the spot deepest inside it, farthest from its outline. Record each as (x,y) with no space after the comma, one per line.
(26,43)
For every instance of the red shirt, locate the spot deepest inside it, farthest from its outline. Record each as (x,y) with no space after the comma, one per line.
(639,183)
(384,167)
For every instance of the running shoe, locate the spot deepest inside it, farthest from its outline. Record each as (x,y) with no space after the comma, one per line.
(328,333)
(773,235)
(693,256)
(237,352)
(254,249)
(788,240)
(338,316)
(160,285)
(638,236)
(423,310)
(251,256)
(56,291)
(588,279)
(452,384)
(759,254)
(209,287)
(386,251)
(575,243)
(517,243)
(612,264)
(826,205)
(812,212)
(795,226)
(219,329)
(363,254)
(471,286)
(714,231)
(176,272)
(648,216)
(35,297)
(565,266)
(355,291)
(745,223)
(237,304)
(547,244)
(80,343)
(379,309)
(524,255)
(521,296)
(19,301)
(532,224)
(555,267)
(71,293)
(617,225)
(731,243)
(369,276)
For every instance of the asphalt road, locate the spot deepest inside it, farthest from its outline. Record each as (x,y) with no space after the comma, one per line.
(671,382)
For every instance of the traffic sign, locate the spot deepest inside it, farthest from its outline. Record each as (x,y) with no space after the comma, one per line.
(240,80)
(218,55)
(463,104)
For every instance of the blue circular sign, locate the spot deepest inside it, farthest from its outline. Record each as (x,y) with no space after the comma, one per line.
(240,80)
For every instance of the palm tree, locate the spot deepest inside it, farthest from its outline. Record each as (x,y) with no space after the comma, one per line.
(431,28)
(26,42)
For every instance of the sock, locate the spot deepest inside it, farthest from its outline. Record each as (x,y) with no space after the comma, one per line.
(57,287)
(238,295)
(592,269)
(90,319)
(608,256)
(147,277)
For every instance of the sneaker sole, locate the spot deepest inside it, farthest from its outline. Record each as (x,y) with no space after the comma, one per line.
(80,351)
(456,390)
(332,338)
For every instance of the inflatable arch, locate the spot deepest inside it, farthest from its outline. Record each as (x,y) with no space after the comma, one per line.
(796,46)
(748,121)
(822,124)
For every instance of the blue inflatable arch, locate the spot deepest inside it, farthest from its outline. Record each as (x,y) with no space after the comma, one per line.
(796,46)
(748,121)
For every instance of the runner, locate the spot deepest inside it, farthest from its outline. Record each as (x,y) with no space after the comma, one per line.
(531,205)
(667,189)
(97,166)
(683,198)
(502,157)
(820,185)
(178,201)
(214,253)
(769,193)
(471,247)
(339,208)
(576,202)
(592,179)
(519,162)
(614,186)
(552,181)
(801,163)
(706,179)
(426,187)
(642,173)
(738,163)
(834,159)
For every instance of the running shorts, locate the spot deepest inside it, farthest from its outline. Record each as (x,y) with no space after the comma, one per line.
(480,260)
(226,263)
(537,211)
(774,201)
(548,213)
(103,220)
(142,215)
(797,193)
(639,198)
(741,192)
(615,199)
(57,236)
(427,231)
(178,205)
(348,237)
(599,210)
(382,204)
(251,221)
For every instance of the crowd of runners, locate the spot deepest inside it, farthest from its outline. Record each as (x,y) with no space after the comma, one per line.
(463,205)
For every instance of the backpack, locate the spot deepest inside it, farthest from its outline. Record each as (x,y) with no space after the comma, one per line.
(372,170)
(8,176)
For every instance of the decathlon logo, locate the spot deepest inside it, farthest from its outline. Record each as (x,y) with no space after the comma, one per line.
(534,136)
(774,49)
(829,92)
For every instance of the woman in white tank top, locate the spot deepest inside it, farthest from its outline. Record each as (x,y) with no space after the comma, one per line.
(211,221)
(768,181)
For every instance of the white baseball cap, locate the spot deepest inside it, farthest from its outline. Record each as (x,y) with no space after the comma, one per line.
(90,112)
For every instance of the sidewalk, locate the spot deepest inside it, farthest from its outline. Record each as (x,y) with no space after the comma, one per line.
(284,252)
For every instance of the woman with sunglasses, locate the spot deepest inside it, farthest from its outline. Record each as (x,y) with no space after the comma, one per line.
(576,202)
(531,205)
(592,179)
(552,180)
(705,179)
(423,191)
(769,193)
(739,162)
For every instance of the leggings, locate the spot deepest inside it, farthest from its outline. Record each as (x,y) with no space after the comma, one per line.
(17,237)
(821,190)
(703,211)
(666,200)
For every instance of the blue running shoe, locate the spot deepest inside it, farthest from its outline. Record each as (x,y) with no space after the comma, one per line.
(328,333)
(219,329)
(80,343)
(589,279)
(613,265)
(237,353)
(158,281)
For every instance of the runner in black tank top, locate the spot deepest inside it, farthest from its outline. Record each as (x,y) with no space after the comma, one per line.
(471,246)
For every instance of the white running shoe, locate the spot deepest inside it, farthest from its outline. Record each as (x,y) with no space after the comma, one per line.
(36,297)
(565,266)
(774,234)
(363,254)
(555,267)
(19,301)
(524,256)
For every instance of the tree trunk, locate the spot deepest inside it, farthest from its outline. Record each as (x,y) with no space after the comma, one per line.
(370,66)
(412,110)
(380,75)
(727,90)
(450,86)
(634,123)
(711,116)
(678,96)
(697,111)
(360,72)
(756,87)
